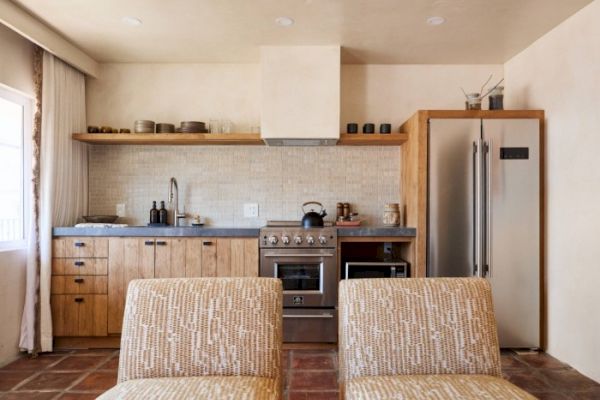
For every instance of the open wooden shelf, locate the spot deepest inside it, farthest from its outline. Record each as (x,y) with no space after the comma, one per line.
(253,139)
(170,138)
(372,139)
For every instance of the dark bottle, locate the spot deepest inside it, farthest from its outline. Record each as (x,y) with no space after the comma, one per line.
(162,214)
(153,213)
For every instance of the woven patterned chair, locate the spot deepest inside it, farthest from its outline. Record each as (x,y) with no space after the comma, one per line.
(427,338)
(201,338)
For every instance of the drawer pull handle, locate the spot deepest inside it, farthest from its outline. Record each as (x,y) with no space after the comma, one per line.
(161,243)
(78,299)
(78,280)
(79,244)
(149,243)
(79,263)
(207,243)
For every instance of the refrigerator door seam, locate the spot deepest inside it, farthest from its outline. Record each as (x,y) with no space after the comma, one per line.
(475,230)
(487,270)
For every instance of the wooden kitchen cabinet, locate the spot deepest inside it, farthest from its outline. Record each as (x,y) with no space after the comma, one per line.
(129,258)
(206,257)
(79,286)
(140,258)
(79,315)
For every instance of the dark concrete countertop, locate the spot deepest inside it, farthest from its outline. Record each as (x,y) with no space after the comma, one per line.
(146,231)
(376,231)
(189,231)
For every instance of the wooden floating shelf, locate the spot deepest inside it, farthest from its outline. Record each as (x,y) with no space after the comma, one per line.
(171,138)
(372,139)
(207,139)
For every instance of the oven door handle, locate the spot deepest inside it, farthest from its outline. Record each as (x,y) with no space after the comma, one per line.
(308,316)
(298,255)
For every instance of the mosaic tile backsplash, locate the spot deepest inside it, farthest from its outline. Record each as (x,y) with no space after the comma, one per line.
(216,181)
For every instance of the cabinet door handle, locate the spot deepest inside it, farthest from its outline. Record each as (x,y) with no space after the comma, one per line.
(78,280)
(161,243)
(207,243)
(78,299)
(79,244)
(149,243)
(79,263)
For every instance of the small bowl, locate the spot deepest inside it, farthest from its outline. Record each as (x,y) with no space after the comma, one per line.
(100,219)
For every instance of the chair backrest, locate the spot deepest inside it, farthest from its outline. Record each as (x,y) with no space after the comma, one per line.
(202,326)
(417,326)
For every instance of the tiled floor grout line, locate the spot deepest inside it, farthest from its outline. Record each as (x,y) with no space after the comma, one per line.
(38,373)
(85,375)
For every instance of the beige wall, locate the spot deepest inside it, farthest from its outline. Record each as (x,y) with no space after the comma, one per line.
(392,93)
(173,93)
(561,74)
(217,181)
(16,72)
(16,62)
(12,299)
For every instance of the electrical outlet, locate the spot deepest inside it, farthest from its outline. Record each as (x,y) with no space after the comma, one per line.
(250,210)
(120,210)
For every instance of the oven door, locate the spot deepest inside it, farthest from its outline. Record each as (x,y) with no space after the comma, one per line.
(308,275)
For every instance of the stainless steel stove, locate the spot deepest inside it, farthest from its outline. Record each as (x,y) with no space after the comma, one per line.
(305,259)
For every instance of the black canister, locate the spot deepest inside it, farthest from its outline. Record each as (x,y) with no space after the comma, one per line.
(385,128)
(369,128)
(352,128)
(497,98)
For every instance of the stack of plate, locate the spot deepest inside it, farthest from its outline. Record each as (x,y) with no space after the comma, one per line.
(165,128)
(192,127)
(143,126)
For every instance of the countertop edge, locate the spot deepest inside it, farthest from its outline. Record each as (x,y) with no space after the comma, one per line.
(156,231)
(133,231)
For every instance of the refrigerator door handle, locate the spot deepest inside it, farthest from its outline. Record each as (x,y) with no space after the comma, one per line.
(487,217)
(479,220)
(475,197)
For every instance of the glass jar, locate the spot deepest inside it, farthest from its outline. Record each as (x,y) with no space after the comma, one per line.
(391,214)
(473,101)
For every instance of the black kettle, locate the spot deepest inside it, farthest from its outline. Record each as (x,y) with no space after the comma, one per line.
(313,218)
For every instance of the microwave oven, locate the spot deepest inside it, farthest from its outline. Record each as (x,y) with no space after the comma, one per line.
(377,269)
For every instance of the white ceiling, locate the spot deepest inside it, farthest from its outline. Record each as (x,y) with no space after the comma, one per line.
(370,31)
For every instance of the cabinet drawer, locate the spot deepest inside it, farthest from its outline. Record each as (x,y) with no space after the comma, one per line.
(79,266)
(79,315)
(80,247)
(73,284)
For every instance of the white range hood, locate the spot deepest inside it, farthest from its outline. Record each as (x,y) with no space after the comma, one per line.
(300,95)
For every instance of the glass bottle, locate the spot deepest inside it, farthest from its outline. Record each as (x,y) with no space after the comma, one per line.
(153,213)
(162,214)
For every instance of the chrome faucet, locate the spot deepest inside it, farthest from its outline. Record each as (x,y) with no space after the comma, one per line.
(174,198)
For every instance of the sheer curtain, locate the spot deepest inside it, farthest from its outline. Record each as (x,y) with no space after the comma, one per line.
(63,188)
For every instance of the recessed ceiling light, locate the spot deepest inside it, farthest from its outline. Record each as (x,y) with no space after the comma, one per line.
(131,21)
(435,20)
(284,21)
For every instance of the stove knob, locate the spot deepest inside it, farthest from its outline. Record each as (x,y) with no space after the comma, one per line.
(298,239)
(285,239)
(273,239)
(322,239)
(310,240)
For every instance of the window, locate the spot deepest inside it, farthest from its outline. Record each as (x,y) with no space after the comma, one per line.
(15,128)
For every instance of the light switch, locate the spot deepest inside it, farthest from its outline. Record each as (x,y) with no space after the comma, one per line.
(250,210)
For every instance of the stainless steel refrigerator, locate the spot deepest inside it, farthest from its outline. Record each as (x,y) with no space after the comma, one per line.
(484,215)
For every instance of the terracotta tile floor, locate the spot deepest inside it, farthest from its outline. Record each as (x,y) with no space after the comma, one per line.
(308,375)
